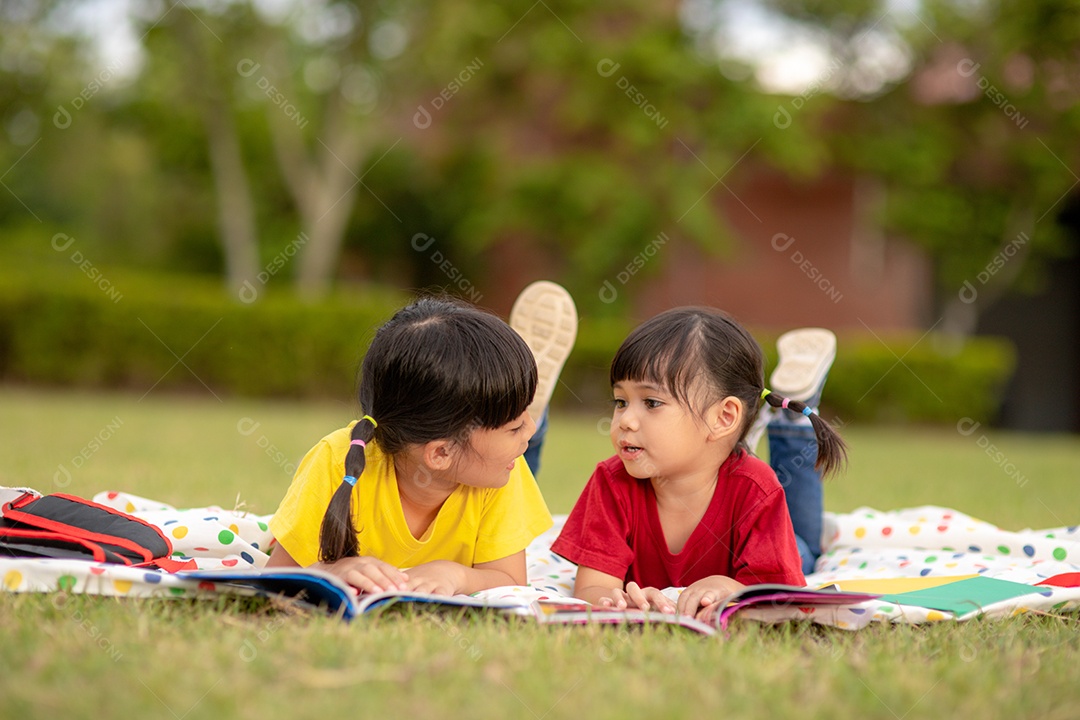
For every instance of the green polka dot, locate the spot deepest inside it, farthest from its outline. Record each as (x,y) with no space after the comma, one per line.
(1059,553)
(886,608)
(262,525)
(1003,550)
(947,549)
(931,558)
(1049,535)
(1060,605)
(65,582)
(864,564)
(226,537)
(177,591)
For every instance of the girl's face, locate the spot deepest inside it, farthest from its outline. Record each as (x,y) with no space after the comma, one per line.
(654,434)
(492,453)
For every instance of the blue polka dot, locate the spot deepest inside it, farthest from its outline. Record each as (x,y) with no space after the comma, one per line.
(152,577)
(857,611)
(1029,551)
(212,517)
(982,570)
(247,558)
(255,545)
(1047,593)
(924,571)
(1072,528)
(958,555)
(170,522)
(974,548)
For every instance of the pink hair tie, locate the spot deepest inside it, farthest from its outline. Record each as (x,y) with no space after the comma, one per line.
(361,443)
(785,403)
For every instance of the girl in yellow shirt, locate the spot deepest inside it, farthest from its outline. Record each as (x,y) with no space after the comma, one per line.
(428,491)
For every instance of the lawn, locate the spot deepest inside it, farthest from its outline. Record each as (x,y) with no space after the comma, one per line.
(94,657)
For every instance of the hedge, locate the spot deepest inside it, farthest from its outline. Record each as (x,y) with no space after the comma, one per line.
(181,334)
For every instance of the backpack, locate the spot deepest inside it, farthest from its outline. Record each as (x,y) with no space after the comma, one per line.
(66,526)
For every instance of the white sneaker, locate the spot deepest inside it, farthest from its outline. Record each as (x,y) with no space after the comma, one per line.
(806,355)
(544,315)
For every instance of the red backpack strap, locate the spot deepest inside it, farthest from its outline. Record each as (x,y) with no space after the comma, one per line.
(51,539)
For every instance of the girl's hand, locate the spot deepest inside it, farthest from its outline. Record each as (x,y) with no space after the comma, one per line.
(635,596)
(705,594)
(438,577)
(367,574)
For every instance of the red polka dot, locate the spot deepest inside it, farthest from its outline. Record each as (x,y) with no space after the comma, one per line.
(203,549)
(204,585)
(946,516)
(97,571)
(886,531)
(228,563)
(942,528)
(112,494)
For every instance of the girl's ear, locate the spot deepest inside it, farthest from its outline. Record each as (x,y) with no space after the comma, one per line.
(438,455)
(725,418)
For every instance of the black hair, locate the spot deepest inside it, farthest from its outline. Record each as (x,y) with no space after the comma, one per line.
(701,355)
(438,369)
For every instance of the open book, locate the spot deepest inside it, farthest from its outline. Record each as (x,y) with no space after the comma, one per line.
(318,589)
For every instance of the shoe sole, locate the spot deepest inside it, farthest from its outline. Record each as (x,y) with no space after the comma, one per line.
(806,355)
(545,317)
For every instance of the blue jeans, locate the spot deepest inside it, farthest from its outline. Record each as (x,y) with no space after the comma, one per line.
(532,453)
(792,454)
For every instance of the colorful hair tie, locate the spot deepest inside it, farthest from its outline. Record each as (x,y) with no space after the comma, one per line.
(765,393)
(785,403)
(370,420)
(359,442)
(351,480)
(807,412)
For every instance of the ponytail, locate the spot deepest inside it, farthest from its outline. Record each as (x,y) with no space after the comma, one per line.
(337,537)
(831,449)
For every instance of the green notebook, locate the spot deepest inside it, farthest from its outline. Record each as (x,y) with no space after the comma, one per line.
(963,596)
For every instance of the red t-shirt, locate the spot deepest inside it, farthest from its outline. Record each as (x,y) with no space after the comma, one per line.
(745,534)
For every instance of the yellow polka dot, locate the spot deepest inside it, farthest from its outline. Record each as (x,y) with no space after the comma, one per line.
(122,586)
(914,529)
(179,532)
(934,616)
(129,507)
(235,529)
(13,579)
(922,519)
(860,532)
(950,564)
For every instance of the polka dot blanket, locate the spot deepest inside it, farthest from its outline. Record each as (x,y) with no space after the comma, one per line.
(866,550)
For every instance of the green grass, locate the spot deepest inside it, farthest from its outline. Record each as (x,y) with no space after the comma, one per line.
(94,657)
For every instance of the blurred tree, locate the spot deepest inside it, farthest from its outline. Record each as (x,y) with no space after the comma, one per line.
(976,146)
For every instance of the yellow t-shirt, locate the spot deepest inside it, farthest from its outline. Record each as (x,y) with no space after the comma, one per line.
(474,525)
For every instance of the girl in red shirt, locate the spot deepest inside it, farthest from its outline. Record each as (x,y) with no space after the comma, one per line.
(683,503)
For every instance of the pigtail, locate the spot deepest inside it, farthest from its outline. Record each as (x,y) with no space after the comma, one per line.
(831,449)
(337,536)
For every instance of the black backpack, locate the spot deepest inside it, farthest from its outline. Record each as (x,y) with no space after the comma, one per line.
(66,526)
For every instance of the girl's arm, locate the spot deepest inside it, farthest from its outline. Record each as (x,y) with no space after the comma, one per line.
(367,574)
(280,557)
(605,590)
(445,577)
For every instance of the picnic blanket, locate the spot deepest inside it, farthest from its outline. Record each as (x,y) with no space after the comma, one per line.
(929,563)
